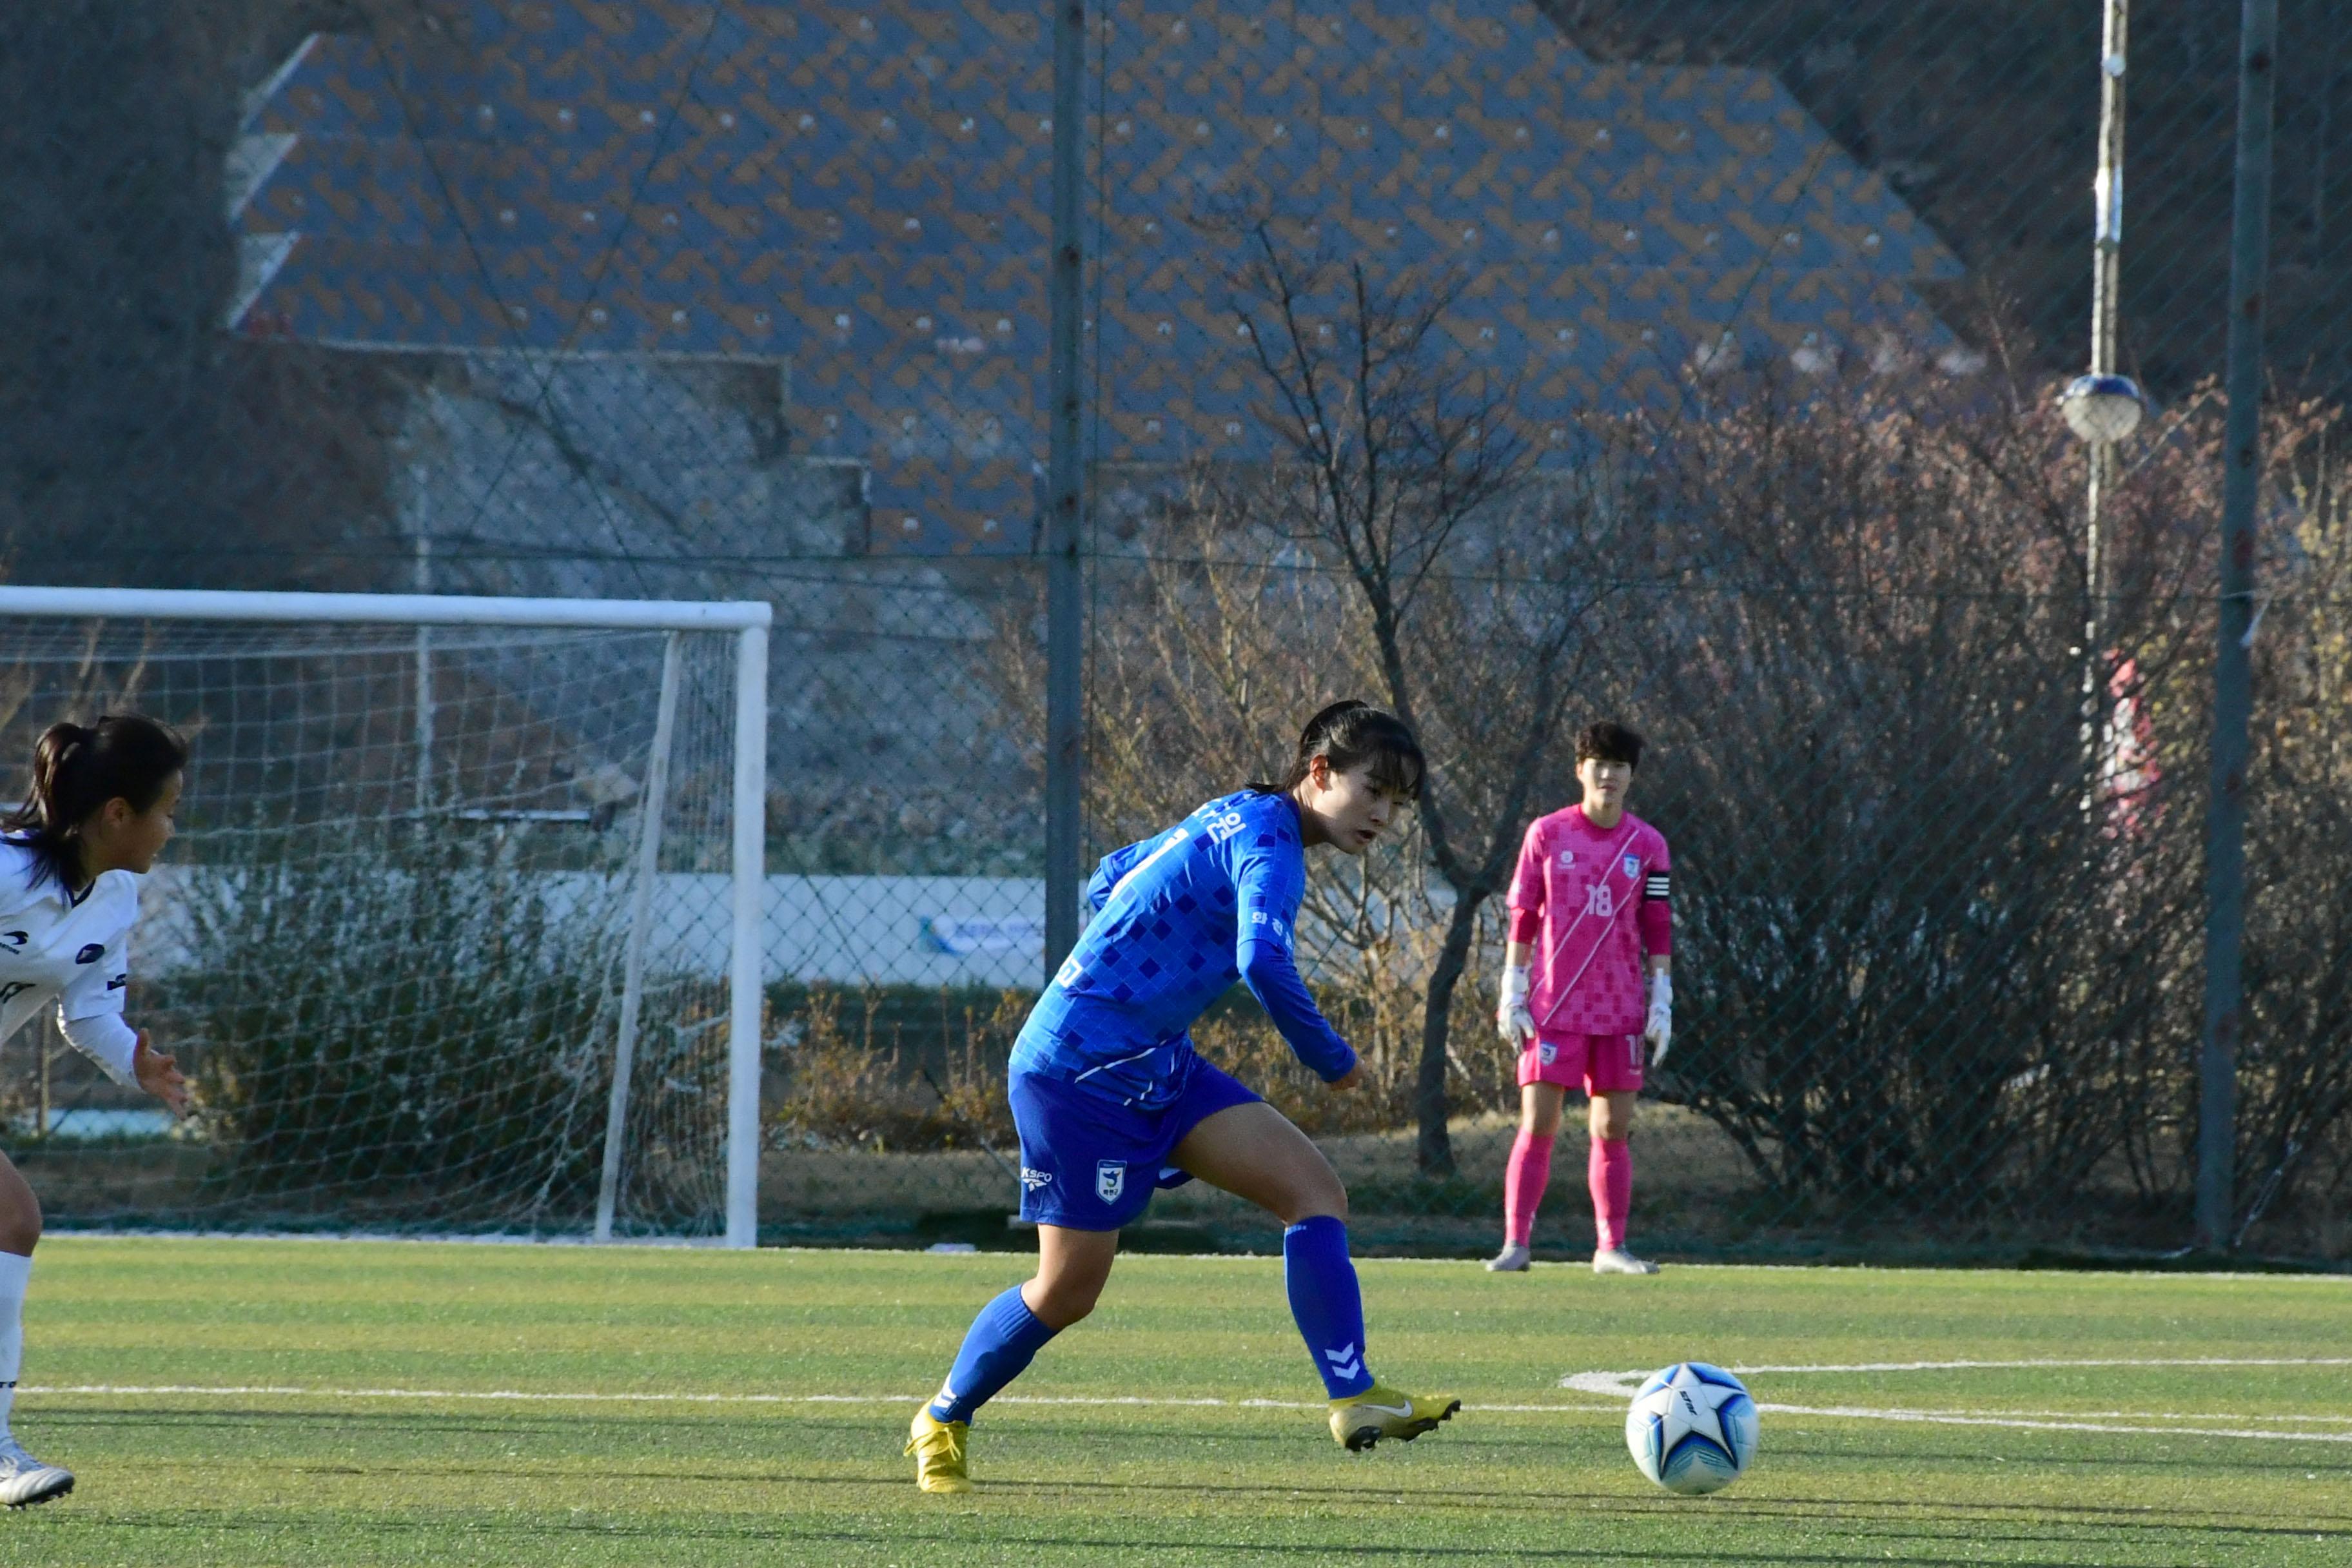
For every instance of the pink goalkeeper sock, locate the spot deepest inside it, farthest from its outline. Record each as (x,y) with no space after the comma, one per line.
(1609,1172)
(1524,1180)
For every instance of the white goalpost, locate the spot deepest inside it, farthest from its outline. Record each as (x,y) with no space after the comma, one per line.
(464,926)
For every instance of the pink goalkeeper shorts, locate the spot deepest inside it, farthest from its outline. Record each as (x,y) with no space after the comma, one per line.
(1597,1064)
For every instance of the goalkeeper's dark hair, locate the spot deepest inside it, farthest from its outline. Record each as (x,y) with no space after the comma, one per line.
(76,769)
(1608,741)
(1351,734)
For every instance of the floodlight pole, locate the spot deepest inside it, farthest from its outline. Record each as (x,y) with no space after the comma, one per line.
(2107,271)
(2225,844)
(1065,480)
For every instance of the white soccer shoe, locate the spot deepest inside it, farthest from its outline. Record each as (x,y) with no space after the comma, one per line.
(1513,1259)
(1617,1261)
(24,1480)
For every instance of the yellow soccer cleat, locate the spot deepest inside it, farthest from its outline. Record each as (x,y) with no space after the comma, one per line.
(1358,1423)
(937,1448)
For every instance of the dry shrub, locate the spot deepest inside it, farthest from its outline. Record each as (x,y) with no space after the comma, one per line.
(334,1067)
(897,1069)
(904,1070)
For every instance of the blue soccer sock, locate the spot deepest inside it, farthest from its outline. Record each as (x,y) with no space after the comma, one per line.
(997,1348)
(1324,1301)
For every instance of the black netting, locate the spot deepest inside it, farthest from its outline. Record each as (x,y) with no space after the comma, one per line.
(1510,362)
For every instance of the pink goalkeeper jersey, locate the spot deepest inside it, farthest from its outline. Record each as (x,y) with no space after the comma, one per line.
(1590,904)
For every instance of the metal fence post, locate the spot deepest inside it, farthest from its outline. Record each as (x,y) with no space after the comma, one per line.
(2225,857)
(1063,605)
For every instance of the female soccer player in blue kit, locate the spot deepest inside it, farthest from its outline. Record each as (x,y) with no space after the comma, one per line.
(1111,1100)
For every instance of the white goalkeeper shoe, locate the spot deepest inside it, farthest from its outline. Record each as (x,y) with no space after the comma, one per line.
(1513,1259)
(1617,1261)
(24,1480)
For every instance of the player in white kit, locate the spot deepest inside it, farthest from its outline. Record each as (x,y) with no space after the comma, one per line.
(99,814)
(1586,992)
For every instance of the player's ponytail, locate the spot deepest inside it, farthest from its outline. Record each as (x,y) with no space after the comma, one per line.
(76,769)
(1351,735)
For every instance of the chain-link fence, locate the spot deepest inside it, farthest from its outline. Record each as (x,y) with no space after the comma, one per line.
(1511,363)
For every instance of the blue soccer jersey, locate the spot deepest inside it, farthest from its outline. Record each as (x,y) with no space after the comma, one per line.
(1180,918)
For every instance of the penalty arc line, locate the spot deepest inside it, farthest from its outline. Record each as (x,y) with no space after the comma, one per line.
(1947,1418)
(1624,1385)
(2159,1415)
(2004,1366)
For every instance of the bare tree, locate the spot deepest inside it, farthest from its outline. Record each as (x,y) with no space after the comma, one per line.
(1400,467)
(2295,1106)
(1205,656)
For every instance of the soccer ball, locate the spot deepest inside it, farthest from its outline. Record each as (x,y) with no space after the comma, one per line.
(1692,1428)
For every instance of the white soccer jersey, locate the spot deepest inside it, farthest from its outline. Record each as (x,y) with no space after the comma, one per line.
(75,951)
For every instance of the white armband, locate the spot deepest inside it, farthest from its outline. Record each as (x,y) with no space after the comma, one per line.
(107,1040)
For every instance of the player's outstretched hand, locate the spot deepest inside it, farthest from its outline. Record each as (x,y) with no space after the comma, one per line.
(1513,1020)
(159,1076)
(1348,1080)
(1658,1028)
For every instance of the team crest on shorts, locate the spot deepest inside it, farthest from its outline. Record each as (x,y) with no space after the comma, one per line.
(1111,1180)
(1548,1052)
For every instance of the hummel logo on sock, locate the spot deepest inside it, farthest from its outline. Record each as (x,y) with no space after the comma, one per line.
(1344,1361)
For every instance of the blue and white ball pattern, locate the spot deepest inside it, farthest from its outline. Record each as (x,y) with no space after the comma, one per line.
(1692,1428)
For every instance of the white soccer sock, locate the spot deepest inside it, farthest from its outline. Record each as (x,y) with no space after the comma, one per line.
(15,1270)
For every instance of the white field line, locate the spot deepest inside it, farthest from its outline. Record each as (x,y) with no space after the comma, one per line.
(2060,1420)
(1145,1260)
(527,1397)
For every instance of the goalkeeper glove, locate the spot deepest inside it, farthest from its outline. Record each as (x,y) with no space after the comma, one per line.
(1512,1019)
(1658,1028)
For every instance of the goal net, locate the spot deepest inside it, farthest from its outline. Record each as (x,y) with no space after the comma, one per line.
(460,927)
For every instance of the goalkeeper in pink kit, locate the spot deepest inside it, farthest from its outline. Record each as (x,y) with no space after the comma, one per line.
(1586,993)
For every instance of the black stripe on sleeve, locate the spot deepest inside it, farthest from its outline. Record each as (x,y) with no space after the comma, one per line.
(1655,887)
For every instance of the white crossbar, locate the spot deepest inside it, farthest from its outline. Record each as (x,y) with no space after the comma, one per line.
(387,609)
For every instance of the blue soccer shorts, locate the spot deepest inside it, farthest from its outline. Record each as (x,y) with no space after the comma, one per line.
(1089,1161)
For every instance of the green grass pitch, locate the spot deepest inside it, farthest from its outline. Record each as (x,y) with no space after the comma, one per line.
(342,1402)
